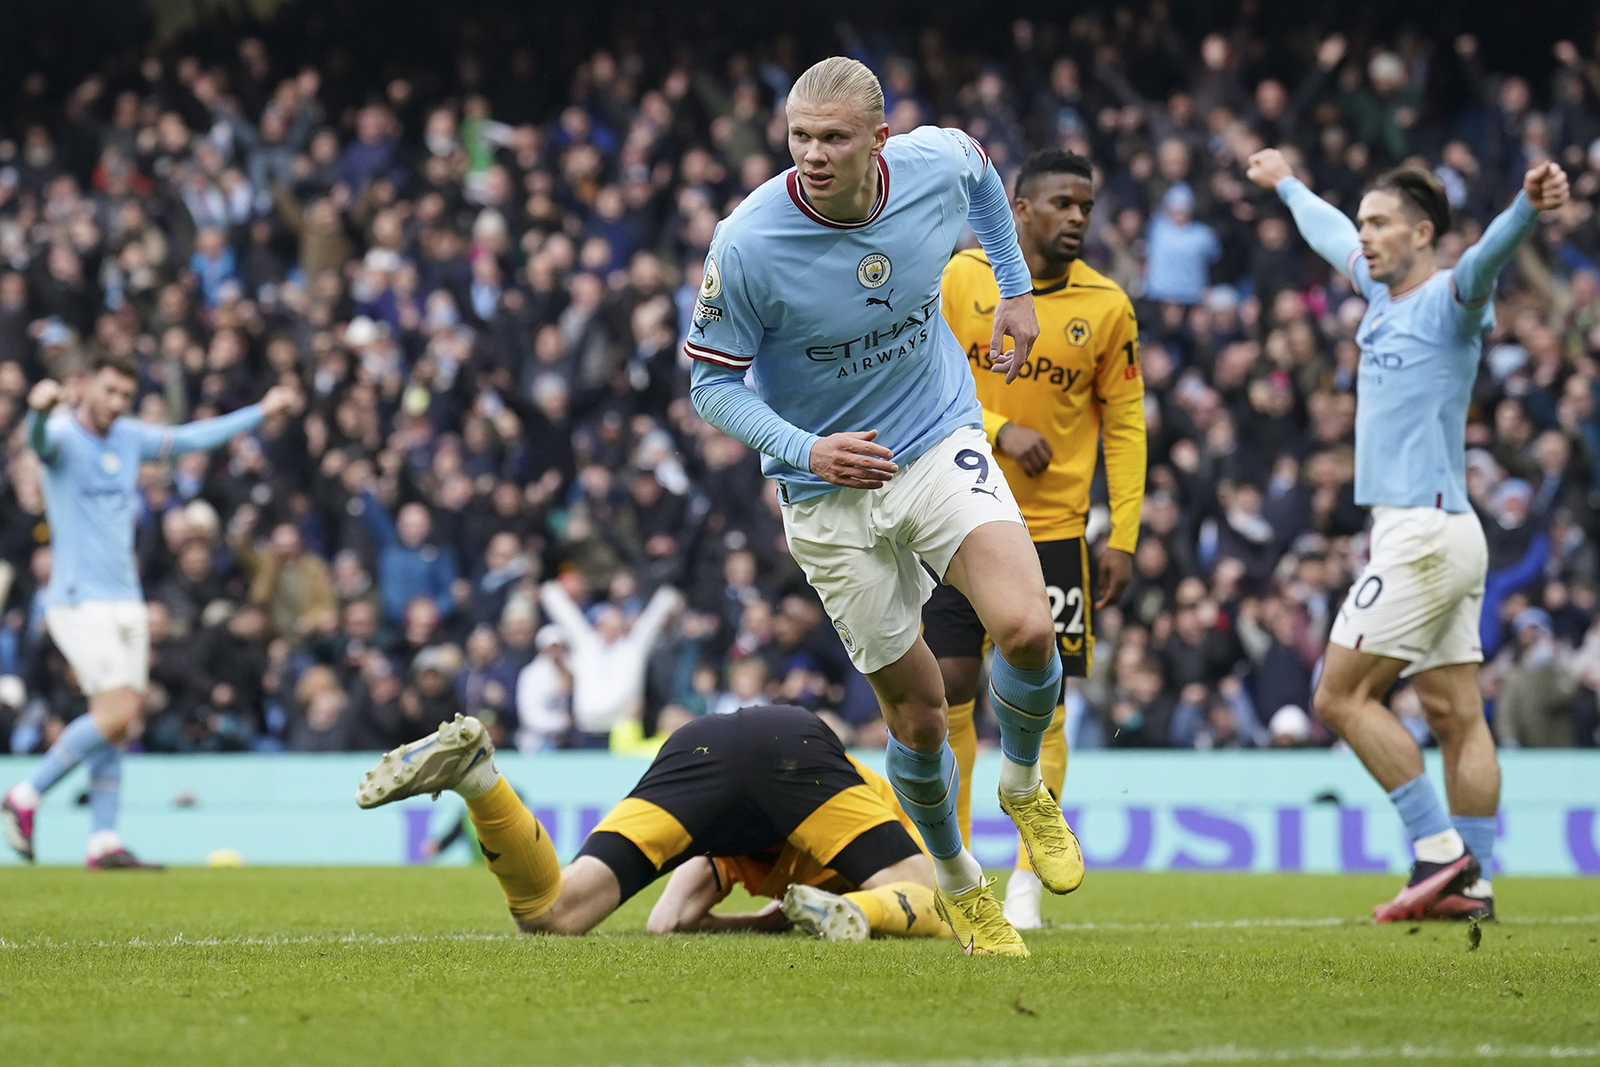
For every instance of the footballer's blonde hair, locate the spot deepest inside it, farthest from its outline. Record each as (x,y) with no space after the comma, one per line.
(840,78)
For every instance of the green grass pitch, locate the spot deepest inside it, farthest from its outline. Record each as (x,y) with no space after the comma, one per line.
(416,966)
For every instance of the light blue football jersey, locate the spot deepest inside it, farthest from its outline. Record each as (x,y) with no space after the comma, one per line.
(839,323)
(1419,356)
(91,493)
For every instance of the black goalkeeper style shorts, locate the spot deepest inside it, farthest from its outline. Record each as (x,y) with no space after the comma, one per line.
(952,629)
(747,784)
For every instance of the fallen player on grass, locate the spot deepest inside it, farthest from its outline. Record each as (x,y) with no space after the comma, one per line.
(765,797)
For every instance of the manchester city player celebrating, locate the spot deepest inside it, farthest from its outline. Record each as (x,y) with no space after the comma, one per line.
(824,286)
(94,608)
(1413,612)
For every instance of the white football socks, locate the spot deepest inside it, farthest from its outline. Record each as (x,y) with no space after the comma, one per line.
(1443,847)
(102,843)
(24,796)
(1019,780)
(959,874)
(1023,895)
(478,780)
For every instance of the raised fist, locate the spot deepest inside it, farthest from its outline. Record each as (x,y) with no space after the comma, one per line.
(1268,167)
(44,396)
(1546,186)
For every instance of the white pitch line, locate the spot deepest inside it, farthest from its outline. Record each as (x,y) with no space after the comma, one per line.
(353,938)
(1232,1054)
(1262,924)
(269,941)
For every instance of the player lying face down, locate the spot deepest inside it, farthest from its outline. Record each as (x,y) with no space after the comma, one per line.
(766,797)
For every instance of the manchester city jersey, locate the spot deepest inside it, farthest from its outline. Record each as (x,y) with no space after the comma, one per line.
(91,495)
(1419,358)
(1419,355)
(838,323)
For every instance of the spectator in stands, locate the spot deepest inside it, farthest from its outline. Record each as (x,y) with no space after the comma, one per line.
(1181,250)
(293,585)
(410,565)
(1290,727)
(433,674)
(194,584)
(1534,709)
(504,565)
(321,721)
(486,686)
(746,687)
(606,659)
(544,694)
(231,652)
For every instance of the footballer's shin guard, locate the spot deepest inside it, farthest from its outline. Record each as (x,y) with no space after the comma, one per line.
(518,851)
(900,909)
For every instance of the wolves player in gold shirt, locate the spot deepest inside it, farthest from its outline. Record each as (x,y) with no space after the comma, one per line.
(766,797)
(1081,378)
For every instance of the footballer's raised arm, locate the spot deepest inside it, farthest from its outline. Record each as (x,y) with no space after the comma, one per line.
(1324,227)
(1481,264)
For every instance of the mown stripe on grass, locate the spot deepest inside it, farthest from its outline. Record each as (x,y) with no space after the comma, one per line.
(1231,1054)
(353,938)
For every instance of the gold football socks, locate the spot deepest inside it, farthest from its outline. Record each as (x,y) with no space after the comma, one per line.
(518,850)
(900,909)
(963,737)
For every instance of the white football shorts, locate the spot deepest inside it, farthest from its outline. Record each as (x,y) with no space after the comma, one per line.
(860,548)
(1420,596)
(107,643)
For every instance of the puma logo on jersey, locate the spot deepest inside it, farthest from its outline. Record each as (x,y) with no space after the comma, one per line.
(882,300)
(990,490)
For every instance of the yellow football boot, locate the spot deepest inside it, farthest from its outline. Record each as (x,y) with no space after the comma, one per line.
(979,926)
(1052,846)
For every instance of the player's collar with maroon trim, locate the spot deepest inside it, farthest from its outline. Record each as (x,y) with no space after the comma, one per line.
(799,197)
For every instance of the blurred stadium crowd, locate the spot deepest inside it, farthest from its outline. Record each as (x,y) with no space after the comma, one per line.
(499,500)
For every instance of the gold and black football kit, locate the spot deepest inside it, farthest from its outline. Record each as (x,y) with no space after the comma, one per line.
(1081,378)
(1082,381)
(770,794)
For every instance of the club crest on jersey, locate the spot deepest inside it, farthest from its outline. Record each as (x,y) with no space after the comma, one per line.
(1078,332)
(873,271)
(711,282)
(844,635)
(110,462)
